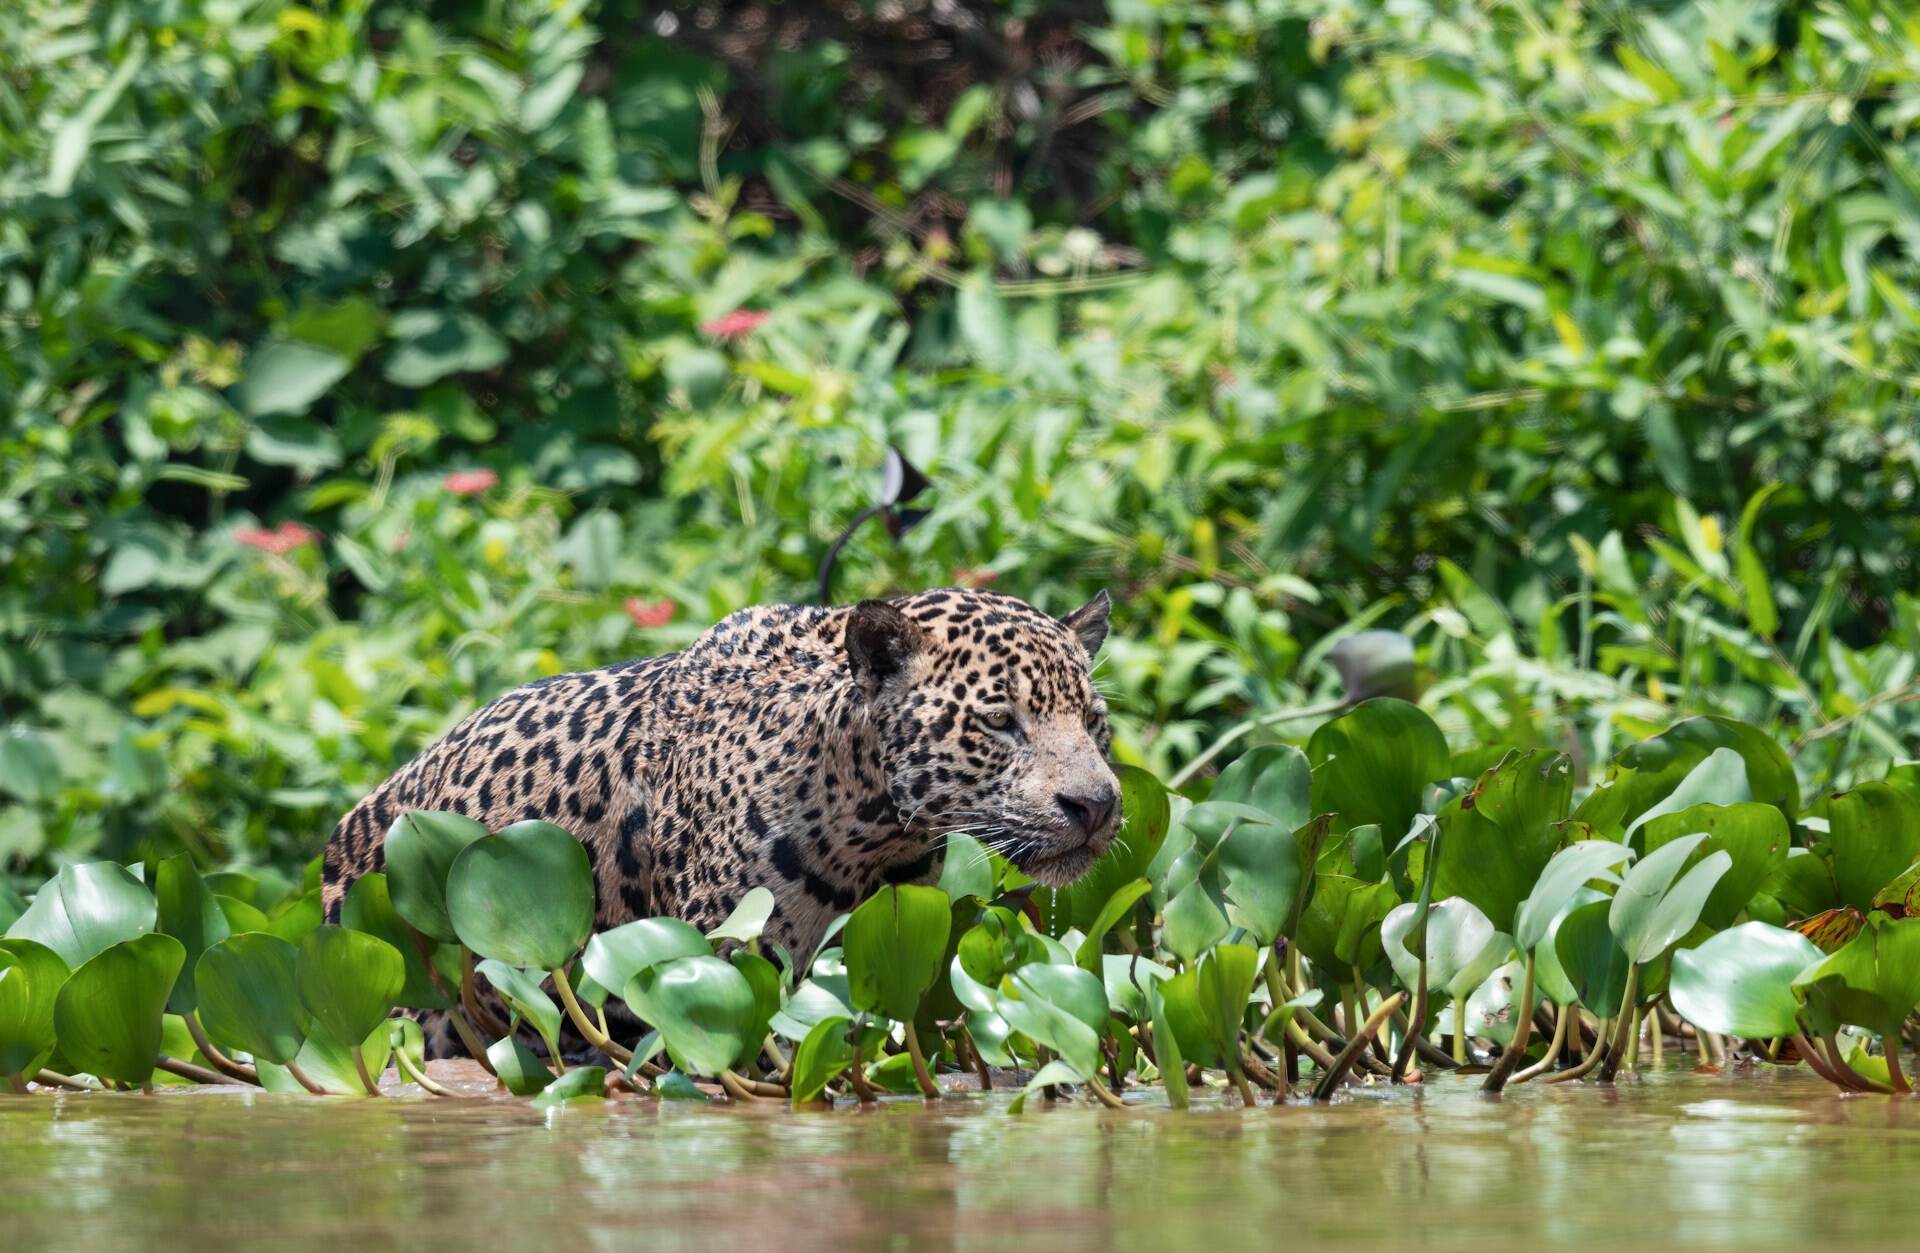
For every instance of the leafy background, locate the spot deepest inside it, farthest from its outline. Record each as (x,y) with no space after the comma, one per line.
(361,360)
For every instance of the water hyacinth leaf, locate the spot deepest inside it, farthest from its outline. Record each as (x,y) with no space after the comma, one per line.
(1118,906)
(1643,917)
(895,944)
(1502,833)
(968,868)
(1740,982)
(249,996)
(703,1008)
(1274,779)
(1052,1074)
(107,1013)
(1491,1010)
(1166,1047)
(349,981)
(817,999)
(516,1066)
(614,957)
(1873,836)
(420,849)
(240,916)
(1265,870)
(1052,1008)
(748,919)
(1755,838)
(821,1058)
(1226,976)
(369,907)
(1194,922)
(1186,1020)
(525,997)
(1720,779)
(329,1062)
(1649,771)
(1594,963)
(1548,975)
(1126,978)
(524,896)
(31,975)
(1571,869)
(1871,981)
(1341,925)
(86,909)
(580,1083)
(293,918)
(1371,764)
(997,944)
(1146,813)
(1457,936)
(764,977)
(188,912)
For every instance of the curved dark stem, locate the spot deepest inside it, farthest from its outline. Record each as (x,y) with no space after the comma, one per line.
(833,553)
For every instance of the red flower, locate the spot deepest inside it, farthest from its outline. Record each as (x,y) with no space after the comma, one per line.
(650,614)
(736,324)
(974,578)
(289,536)
(469,482)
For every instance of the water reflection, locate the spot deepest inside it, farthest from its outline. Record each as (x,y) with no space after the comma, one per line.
(1675,1160)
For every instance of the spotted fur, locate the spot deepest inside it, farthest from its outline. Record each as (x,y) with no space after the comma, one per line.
(817,752)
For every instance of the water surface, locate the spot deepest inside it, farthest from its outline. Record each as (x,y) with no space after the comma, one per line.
(1675,1160)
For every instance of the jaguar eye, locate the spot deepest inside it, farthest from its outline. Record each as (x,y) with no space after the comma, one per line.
(998,719)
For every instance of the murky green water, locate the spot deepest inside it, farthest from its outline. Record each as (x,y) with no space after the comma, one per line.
(1671,1161)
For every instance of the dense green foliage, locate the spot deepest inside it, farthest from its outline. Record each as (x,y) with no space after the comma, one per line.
(1577,342)
(1262,930)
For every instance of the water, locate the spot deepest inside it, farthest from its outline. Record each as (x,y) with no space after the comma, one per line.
(1675,1160)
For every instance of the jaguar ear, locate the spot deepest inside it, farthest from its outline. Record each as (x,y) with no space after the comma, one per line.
(1089,622)
(881,643)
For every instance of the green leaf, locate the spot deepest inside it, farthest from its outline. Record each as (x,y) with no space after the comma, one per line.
(188,912)
(525,997)
(1054,1006)
(819,1059)
(614,957)
(517,1066)
(1491,1013)
(1548,974)
(748,919)
(85,910)
(1594,963)
(107,1013)
(1117,907)
(895,943)
(524,896)
(579,1083)
(1647,772)
(1872,981)
(420,849)
(29,770)
(1371,765)
(1754,837)
(1652,910)
(1166,1047)
(249,996)
(1740,982)
(1265,871)
(967,869)
(1458,935)
(1873,835)
(431,344)
(31,975)
(1572,868)
(1341,925)
(286,376)
(1502,833)
(1194,922)
(369,908)
(329,1062)
(1274,779)
(349,981)
(703,1008)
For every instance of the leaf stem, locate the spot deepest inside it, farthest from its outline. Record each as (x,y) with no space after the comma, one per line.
(1416,1024)
(1629,1018)
(581,1023)
(1510,1060)
(199,1074)
(419,1075)
(1341,1064)
(737,1088)
(928,1088)
(221,1062)
(360,1068)
(54,1079)
(306,1081)
(1552,1054)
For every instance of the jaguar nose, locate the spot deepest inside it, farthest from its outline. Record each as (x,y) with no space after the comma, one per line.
(1089,813)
